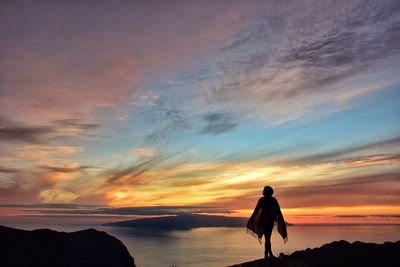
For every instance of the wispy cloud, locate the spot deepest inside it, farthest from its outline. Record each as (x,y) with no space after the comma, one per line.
(93,73)
(67,169)
(11,131)
(369,216)
(57,195)
(143,152)
(288,63)
(373,189)
(218,123)
(75,209)
(307,62)
(166,118)
(48,206)
(74,124)
(8,170)
(347,154)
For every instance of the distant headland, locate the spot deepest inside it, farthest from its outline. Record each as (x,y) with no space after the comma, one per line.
(183,222)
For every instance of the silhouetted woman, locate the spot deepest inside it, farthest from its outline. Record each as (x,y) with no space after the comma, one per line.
(262,220)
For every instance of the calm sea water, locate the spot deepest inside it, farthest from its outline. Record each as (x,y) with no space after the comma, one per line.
(226,246)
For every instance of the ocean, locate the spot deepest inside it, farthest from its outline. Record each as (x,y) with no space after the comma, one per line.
(227,246)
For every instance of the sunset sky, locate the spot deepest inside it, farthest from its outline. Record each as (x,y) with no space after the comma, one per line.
(123,109)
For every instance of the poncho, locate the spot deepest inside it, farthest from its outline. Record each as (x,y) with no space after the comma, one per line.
(254,226)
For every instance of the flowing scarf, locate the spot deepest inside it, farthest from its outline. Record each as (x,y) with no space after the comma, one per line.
(255,229)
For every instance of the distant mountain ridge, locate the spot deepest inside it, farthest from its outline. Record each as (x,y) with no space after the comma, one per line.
(183,222)
(48,248)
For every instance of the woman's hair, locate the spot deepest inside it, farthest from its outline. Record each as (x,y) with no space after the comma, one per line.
(268,191)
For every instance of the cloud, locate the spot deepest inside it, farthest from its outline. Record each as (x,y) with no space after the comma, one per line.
(133,174)
(143,152)
(362,190)
(8,170)
(76,209)
(343,154)
(182,180)
(11,131)
(74,68)
(193,182)
(149,210)
(76,123)
(297,56)
(57,195)
(30,156)
(368,216)
(27,134)
(218,123)
(68,169)
(370,160)
(166,117)
(50,183)
(48,206)
(22,185)
(291,60)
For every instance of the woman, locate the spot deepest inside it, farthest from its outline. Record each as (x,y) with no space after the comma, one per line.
(262,220)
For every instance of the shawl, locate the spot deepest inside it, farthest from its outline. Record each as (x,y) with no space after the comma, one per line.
(254,226)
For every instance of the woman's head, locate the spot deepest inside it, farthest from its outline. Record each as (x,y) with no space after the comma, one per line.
(268,191)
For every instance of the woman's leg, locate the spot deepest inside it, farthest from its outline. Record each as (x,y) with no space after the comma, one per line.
(267,234)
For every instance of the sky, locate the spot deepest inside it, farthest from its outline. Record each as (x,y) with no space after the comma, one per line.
(127,109)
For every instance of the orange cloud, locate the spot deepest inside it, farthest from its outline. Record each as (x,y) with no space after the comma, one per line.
(57,195)
(144,152)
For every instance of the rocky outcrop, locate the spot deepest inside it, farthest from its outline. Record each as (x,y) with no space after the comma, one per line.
(342,253)
(276,262)
(48,248)
(338,253)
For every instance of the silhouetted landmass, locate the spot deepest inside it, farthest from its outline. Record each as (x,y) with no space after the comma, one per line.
(337,254)
(183,222)
(48,248)
(278,262)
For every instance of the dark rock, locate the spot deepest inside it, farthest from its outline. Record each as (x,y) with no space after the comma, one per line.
(276,262)
(337,254)
(48,248)
(342,253)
